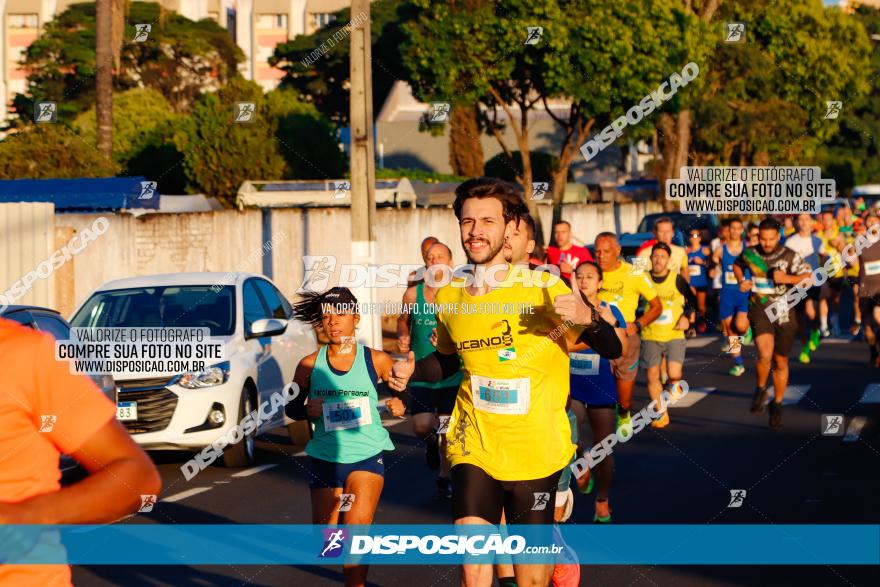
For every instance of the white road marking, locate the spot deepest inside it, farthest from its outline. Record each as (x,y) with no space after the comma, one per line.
(254,470)
(185,494)
(854,430)
(700,342)
(871,395)
(693,395)
(793,393)
(836,341)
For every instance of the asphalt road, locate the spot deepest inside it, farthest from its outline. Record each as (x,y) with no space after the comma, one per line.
(682,474)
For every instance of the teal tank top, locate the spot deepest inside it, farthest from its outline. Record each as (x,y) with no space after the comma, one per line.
(423,322)
(350,429)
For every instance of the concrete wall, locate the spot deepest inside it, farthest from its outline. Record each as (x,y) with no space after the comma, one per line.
(230,240)
(27,238)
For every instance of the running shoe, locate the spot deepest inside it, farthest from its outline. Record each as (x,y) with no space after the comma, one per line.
(674,391)
(624,425)
(569,505)
(737,370)
(759,400)
(747,338)
(804,357)
(661,422)
(585,486)
(444,488)
(567,570)
(814,340)
(775,416)
(701,327)
(603,512)
(855,328)
(725,348)
(432,452)
(824,332)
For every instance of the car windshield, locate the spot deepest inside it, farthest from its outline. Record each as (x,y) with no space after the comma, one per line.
(190,306)
(683,223)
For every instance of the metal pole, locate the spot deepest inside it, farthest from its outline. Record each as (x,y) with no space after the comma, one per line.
(363,165)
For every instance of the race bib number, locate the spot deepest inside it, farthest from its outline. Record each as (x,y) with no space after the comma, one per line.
(694,270)
(501,396)
(730,278)
(872,267)
(348,414)
(762,285)
(584,363)
(665,317)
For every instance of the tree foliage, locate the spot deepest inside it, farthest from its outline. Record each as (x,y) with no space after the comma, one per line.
(180,58)
(51,151)
(219,153)
(767,97)
(324,80)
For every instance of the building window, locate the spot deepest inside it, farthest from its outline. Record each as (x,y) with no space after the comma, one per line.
(23,21)
(272,21)
(322,19)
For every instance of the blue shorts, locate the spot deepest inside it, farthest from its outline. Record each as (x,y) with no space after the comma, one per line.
(327,475)
(732,302)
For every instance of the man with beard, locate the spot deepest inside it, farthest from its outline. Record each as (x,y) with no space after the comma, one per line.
(509,437)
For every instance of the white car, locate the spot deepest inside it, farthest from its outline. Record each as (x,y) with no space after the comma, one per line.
(192,410)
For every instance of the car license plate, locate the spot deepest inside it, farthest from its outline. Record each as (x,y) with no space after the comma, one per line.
(127,411)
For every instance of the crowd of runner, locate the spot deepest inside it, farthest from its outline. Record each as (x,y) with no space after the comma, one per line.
(505,403)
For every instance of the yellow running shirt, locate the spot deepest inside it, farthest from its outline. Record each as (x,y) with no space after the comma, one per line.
(672,301)
(509,418)
(622,289)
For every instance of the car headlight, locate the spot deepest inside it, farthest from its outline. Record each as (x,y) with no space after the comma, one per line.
(215,375)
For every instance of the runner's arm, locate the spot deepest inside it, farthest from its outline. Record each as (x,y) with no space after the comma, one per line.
(690,300)
(403,321)
(655,308)
(296,410)
(436,367)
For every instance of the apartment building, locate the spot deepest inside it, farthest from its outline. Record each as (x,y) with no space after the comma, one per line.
(257,26)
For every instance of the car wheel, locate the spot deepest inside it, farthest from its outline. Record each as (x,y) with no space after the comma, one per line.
(242,453)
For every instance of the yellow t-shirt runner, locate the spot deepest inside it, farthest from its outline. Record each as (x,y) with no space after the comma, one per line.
(678,259)
(663,328)
(622,288)
(509,418)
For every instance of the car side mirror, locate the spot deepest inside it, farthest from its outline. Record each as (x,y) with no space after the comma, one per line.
(267,327)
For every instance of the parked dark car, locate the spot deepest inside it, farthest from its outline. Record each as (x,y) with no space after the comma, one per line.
(47,320)
(630,242)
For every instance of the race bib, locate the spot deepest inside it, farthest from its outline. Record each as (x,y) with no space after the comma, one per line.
(348,414)
(762,285)
(665,317)
(872,267)
(730,278)
(584,363)
(501,396)
(694,270)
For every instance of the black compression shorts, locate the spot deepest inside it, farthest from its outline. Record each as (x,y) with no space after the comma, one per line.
(475,493)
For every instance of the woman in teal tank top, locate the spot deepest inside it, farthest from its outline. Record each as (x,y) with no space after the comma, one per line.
(340,399)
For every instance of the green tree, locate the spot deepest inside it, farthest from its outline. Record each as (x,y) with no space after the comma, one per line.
(220,153)
(306,140)
(137,116)
(180,58)
(323,80)
(852,154)
(50,151)
(766,97)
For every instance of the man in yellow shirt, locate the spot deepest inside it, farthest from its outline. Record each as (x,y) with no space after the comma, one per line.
(509,437)
(622,286)
(664,337)
(664,232)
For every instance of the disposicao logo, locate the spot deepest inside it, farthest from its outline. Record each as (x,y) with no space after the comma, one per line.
(334,542)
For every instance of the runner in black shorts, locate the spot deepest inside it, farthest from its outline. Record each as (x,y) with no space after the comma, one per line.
(774,270)
(428,403)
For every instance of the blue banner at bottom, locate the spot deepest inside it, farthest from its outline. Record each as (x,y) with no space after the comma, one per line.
(247,544)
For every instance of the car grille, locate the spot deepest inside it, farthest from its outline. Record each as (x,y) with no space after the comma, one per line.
(155,404)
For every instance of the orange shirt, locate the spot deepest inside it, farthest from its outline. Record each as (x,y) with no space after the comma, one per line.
(38,391)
